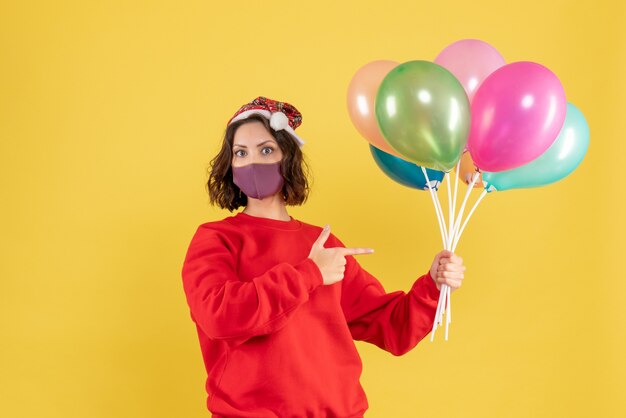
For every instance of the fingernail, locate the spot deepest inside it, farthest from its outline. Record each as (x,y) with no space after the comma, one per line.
(326,227)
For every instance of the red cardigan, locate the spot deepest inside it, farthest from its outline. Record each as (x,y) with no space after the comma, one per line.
(275,341)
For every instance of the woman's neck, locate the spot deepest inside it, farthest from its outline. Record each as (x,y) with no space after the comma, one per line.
(272,207)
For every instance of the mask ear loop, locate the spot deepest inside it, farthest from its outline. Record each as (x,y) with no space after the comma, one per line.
(283,175)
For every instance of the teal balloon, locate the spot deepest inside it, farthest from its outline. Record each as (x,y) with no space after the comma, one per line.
(556,163)
(405,172)
(423,113)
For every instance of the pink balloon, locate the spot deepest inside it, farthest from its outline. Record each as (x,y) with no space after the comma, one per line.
(361,99)
(517,114)
(471,61)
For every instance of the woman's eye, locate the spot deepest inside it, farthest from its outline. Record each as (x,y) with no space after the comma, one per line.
(267,150)
(240,153)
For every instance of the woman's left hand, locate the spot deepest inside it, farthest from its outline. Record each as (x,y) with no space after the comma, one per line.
(447,268)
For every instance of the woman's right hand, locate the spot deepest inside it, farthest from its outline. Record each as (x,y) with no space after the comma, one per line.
(332,261)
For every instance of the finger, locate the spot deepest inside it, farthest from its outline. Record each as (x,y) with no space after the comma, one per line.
(451,267)
(444,259)
(445,253)
(456,259)
(452,261)
(454,284)
(355,251)
(441,279)
(323,236)
(452,275)
(454,267)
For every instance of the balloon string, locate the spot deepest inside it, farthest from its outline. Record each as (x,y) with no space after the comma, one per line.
(449,312)
(469,215)
(444,242)
(446,297)
(439,312)
(451,234)
(456,241)
(470,186)
(450,239)
(442,218)
(432,196)
(446,237)
(450,214)
(447,290)
(456,187)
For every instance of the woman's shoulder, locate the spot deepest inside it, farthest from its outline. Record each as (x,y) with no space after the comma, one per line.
(224,225)
(216,233)
(332,241)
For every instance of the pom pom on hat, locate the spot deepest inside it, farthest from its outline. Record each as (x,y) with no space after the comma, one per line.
(279,121)
(281,115)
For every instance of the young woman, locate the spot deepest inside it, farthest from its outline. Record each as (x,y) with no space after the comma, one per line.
(278,302)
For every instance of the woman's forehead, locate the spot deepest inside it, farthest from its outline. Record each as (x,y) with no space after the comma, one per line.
(251,134)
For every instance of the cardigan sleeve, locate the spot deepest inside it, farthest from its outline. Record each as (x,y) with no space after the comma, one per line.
(227,308)
(395,321)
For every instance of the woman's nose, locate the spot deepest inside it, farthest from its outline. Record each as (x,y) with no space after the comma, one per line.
(256,158)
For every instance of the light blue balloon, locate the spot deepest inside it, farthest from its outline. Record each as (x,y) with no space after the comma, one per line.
(404,172)
(556,163)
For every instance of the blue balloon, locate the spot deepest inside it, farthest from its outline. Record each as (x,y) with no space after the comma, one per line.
(564,155)
(404,172)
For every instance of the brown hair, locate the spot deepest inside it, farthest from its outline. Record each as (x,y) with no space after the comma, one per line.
(225,194)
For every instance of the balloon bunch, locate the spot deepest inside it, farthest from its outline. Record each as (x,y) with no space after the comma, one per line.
(501,126)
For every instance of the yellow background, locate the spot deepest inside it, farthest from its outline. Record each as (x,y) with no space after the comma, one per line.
(110,112)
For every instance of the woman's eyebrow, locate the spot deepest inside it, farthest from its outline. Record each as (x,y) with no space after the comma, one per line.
(264,142)
(258,145)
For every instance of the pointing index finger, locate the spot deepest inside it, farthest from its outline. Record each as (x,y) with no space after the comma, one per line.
(357,251)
